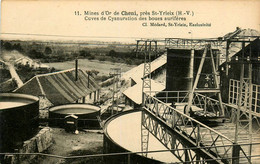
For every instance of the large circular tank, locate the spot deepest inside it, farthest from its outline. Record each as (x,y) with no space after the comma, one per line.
(122,133)
(18,119)
(87,114)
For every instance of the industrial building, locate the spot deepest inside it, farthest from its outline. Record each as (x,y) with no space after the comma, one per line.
(26,61)
(68,86)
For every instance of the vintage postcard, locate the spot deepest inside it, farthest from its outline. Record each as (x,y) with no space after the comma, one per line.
(129,81)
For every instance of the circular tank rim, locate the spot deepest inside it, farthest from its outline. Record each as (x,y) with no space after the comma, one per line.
(20,96)
(106,123)
(94,108)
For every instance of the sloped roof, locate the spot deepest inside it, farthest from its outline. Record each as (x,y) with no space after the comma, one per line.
(60,87)
(135,92)
(235,47)
(254,45)
(242,33)
(137,73)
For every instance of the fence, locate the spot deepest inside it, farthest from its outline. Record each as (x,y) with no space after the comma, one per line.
(234,86)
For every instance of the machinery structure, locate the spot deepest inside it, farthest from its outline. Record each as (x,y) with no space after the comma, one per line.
(158,115)
(148,47)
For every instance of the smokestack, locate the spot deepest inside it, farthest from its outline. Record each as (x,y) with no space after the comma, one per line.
(76,70)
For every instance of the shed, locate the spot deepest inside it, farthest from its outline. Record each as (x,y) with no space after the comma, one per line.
(62,87)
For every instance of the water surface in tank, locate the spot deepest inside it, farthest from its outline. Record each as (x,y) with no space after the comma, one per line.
(11,103)
(75,109)
(126,132)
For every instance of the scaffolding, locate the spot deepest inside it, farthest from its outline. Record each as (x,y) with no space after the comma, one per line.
(147,48)
(116,73)
(158,117)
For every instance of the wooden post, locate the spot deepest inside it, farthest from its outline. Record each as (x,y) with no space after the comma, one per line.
(129,158)
(227,58)
(198,136)
(250,103)
(98,95)
(191,71)
(240,95)
(76,70)
(217,82)
(235,153)
(197,78)
(95,94)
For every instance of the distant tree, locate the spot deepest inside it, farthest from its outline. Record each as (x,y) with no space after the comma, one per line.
(112,53)
(92,57)
(52,69)
(48,51)
(60,52)
(2,44)
(18,47)
(8,46)
(74,55)
(35,54)
(92,72)
(128,61)
(84,53)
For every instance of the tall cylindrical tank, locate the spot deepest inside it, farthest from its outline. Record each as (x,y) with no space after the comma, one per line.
(18,119)
(179,74)
(87,114)
(182,66)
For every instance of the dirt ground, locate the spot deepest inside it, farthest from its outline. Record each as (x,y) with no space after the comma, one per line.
(69,144)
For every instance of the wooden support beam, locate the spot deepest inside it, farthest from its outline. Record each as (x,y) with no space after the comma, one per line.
(207,91)
(197,78)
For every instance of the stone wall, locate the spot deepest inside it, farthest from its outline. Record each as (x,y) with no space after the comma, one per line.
(39,143)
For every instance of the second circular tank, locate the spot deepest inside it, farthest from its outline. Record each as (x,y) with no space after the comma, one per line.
(87,114)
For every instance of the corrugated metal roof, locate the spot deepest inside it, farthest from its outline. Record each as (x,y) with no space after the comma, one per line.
(60,87)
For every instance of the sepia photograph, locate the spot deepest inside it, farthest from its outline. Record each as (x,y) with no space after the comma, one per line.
(130,82)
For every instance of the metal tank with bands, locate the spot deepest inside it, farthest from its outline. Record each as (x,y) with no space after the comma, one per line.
(86,113)
(19,115)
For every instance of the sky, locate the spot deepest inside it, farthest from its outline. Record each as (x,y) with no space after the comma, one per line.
(57,20)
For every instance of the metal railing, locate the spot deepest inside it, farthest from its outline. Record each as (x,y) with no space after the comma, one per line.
(234,86)
(171,96)
(192,43)
(128,155)
(208,104)
(192,130)
(201,101)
